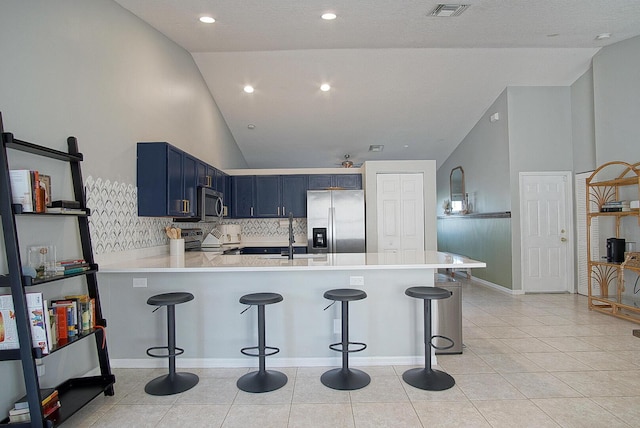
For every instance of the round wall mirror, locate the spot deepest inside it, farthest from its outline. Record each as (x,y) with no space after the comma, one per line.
(456,189)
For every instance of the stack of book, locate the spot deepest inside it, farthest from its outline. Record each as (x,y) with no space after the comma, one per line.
(50,403)
(616,206)
(68,267)
(65,207)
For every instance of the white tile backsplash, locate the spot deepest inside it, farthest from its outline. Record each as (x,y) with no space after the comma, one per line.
(116,227)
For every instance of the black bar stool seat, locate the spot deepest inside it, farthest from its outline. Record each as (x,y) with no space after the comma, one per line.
(173,382)
(262,380)
(428,378)
(345,378)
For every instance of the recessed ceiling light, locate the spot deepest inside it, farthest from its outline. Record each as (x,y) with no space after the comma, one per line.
(603,36)
(325,87)
(251,126)
(553,35)
(329,16)
(248,89)
(376,148)
(207,19)
(447,10)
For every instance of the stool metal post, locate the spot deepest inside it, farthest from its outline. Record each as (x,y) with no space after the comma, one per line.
(345,336)
(171,338)
(261,340)
(427,334)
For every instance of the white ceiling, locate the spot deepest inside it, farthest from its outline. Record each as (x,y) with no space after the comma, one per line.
(413,83)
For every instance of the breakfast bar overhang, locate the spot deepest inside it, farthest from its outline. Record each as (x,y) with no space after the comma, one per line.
(212,330)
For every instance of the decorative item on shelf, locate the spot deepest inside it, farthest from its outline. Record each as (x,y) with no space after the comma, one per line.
(446,206)
(42,258)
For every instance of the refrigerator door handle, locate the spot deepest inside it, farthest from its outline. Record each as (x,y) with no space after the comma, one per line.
(332,229)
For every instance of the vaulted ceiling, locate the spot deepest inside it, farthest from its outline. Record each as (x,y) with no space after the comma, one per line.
(400,78)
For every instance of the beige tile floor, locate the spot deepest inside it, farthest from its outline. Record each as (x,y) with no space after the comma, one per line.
(529,361)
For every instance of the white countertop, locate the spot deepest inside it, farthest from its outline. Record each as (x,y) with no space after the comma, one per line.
(194,261)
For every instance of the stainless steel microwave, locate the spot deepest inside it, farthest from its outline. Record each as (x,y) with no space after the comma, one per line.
(210,204)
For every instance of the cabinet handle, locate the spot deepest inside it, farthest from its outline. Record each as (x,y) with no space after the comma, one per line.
(251,211)
(284,212)
(209,180)
(278,211)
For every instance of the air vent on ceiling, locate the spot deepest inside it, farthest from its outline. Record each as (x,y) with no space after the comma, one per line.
(447,10)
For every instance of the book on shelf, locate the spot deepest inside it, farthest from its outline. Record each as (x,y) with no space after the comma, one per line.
(59,210)
(21,189)
(50,403)
(37,313)
(70,321)
(45,185)
(66,204)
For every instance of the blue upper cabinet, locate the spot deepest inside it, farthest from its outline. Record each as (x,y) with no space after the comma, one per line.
(343,181)
(269,196)
(166,180)
(294,195)
(242,194)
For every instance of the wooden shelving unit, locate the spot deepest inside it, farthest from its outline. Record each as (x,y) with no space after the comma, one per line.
(606,279)
(73,393)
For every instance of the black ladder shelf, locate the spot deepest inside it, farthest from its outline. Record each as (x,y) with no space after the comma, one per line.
(73,393)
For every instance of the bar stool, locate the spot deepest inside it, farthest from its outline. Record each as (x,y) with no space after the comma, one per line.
(262,380)
(173,382)
(345,378)
(428,378)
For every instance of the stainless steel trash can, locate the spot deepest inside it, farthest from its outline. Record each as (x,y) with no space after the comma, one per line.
(448,321)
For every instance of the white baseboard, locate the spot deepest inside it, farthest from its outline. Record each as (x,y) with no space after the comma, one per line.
(496,286)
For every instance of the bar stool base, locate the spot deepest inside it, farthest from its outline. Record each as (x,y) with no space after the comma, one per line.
(171,384)
(430,380)
(262,381)
(345,380)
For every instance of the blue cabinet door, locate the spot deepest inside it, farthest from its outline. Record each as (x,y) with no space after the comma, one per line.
(267,196)
(294,195)
(347,181)
(319,181)
(343,181)
(176,205)
(242,190)
(190,183)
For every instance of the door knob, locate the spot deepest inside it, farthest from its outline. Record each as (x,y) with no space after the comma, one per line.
(563,239)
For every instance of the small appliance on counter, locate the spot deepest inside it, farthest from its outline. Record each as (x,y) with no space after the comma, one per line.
(192,239)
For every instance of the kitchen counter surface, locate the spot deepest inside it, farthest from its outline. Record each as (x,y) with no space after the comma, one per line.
(195,261)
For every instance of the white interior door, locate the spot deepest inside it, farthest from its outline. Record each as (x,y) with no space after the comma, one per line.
(400,213)
(546,232)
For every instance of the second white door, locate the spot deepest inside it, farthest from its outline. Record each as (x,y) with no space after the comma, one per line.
(400,213)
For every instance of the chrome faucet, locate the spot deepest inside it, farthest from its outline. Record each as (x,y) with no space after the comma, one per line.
(291,240)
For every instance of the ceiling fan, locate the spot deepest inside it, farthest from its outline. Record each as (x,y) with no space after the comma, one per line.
(348,163)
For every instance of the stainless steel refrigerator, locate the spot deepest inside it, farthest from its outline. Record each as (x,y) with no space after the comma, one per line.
(335,221)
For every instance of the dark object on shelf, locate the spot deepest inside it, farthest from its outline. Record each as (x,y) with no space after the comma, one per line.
(173,382)
(66,204)
(615,250)
(428,378)
(345,378)
(74,393)
(262,380)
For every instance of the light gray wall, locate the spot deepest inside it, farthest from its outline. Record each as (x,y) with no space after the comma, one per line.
(539,140)
(616,79)
(93,70)
(484,157)
(583,123)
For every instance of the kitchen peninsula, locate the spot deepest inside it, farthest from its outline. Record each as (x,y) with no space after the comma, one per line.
(212,329)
